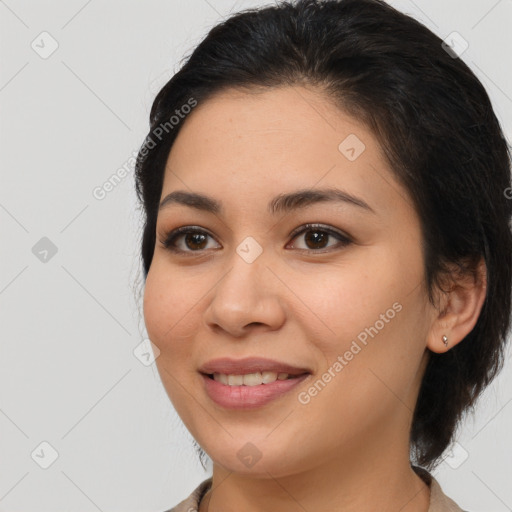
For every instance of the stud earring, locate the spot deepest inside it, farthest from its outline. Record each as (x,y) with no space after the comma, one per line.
(445,340)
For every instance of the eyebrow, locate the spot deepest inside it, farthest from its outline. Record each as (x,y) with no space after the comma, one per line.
(282,203)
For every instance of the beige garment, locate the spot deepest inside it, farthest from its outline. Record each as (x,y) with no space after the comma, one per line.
(439,502)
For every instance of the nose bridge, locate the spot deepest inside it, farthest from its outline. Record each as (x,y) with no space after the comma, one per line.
(244,285)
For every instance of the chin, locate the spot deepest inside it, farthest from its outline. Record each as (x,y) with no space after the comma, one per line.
(257,459)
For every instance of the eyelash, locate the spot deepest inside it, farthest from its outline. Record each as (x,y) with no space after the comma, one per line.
(171,237)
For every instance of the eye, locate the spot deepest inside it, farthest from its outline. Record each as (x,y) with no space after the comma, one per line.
(190,239)
(317,237)
(193,239)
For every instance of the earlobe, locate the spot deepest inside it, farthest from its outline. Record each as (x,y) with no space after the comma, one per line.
(461,308)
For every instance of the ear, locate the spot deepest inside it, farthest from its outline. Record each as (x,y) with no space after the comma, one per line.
(459,310)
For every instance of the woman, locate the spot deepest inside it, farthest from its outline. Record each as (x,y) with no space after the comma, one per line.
(327,255)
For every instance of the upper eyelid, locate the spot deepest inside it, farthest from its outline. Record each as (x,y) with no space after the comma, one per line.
(321,227)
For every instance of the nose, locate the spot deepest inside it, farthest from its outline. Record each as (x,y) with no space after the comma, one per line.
(248,297)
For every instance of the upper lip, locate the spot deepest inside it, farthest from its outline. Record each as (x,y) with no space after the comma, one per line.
(247,365)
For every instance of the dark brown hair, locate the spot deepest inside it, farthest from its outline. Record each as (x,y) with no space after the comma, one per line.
(435,123)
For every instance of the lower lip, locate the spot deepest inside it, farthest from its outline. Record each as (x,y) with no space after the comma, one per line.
(249,397)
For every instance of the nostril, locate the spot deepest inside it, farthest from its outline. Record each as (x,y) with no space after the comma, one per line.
(254,324)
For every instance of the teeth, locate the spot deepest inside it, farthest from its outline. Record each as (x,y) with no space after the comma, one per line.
(235,380)
(250,379)
(221,377)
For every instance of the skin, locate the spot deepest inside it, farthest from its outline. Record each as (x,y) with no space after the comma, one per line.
(348,448)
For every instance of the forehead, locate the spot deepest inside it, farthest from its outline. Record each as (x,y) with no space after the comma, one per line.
(286,118)
(276,139)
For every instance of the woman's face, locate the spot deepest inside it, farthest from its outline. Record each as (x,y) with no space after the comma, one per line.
(343,301)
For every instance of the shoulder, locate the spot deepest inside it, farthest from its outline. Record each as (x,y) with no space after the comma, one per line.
(191,503)
(439,501)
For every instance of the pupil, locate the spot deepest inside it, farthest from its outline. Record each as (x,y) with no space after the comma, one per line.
(316,237)
(195,239)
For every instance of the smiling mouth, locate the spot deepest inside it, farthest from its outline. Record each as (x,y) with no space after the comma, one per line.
(252,379)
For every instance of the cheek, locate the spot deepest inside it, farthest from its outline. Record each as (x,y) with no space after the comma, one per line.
(347,300)
(171,322)
(370,314)
(170,308)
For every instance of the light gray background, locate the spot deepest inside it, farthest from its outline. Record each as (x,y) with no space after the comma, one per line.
(68,375)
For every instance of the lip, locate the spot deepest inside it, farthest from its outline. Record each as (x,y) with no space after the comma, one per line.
(249,397)
(247,365)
